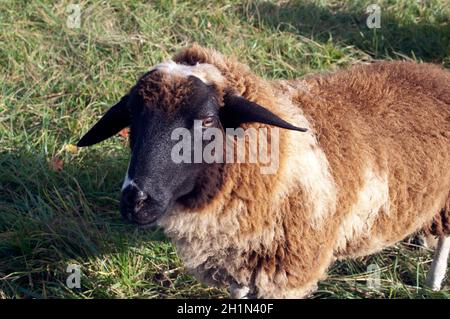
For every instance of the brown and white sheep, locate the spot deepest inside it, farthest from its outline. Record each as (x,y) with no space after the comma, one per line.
(372,169)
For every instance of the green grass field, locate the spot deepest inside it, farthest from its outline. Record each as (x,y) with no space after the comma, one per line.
(59,206)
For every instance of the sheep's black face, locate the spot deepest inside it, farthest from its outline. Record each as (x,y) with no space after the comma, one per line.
(158,106)
(156,180)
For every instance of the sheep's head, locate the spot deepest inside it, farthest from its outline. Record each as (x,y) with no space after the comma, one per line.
(174,98)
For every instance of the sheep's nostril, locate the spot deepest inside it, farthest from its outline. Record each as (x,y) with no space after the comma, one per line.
(139,200)
(141,196)
(134,198)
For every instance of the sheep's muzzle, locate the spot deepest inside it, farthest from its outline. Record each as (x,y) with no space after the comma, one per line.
(138,207)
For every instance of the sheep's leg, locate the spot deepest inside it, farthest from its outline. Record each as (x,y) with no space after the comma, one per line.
(439,265)
(239,292)
(424,241)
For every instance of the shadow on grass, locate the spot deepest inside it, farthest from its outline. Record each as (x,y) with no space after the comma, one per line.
(429,41)
(52,218)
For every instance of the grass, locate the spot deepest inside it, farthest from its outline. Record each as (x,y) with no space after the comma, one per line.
(60,207)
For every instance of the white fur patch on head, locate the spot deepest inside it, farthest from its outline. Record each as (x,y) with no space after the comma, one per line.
(127,181)
(207,73)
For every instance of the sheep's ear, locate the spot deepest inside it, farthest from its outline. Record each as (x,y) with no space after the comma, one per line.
(238,110)
(115,119)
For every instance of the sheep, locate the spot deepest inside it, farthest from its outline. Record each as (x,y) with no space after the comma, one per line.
(364,162)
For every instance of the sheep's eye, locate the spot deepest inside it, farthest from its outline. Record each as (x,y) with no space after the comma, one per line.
(208,121)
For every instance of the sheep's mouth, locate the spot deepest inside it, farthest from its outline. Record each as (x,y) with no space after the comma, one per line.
(145,221)
(146,218)
(143,218)
(147,225)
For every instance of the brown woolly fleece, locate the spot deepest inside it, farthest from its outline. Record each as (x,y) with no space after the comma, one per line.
(373,168)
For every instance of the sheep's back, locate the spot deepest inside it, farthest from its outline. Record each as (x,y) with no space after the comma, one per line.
(388,122)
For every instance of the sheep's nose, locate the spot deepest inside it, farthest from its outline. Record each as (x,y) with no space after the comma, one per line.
(139,207)
(133,198)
